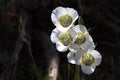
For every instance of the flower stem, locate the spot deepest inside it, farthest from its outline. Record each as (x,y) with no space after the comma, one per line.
(24,36)
(32,58)
(77,75)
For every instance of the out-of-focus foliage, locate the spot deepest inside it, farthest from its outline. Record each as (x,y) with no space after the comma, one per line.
(102,17)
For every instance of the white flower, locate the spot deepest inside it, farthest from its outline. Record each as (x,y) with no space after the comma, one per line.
(63,39)
(83,40)
(64,18)
(90,60)
(75,54)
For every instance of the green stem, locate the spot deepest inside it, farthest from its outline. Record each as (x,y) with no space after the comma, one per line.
(77,75)
(32,58)
(28,42)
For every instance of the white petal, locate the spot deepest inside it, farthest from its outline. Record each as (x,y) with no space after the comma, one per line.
(79,50)
(73,13)
(61,28)
(54,35)
(97,56)
(89,44)
(76,28)
(56,13)
(90,38)
(59,11)
(60,47)
(54,18)
(73,59)
(80,28)
(73,33)
(88,69)
(74,47)
(83,29)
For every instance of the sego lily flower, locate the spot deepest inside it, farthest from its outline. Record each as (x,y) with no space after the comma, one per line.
(73,57)
(75,54)
(83,40)
(64,18)
(63,39)
(90,60)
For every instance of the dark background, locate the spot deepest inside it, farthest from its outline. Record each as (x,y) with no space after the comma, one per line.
(102,17)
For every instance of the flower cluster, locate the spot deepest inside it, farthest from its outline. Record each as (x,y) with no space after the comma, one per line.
(74,38)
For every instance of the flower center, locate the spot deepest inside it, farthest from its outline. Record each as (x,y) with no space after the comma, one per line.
(65,20)
(66,38)
(87,59)
(81,38)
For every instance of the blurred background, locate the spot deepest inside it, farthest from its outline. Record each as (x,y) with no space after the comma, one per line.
(25,27)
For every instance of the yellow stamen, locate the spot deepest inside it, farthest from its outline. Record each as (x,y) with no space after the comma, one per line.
(66,39)
(65,20)
(87,59)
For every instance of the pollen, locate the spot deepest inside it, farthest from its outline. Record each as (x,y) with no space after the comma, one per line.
(66,39)
(87,59)
(65,20)
(80,38)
